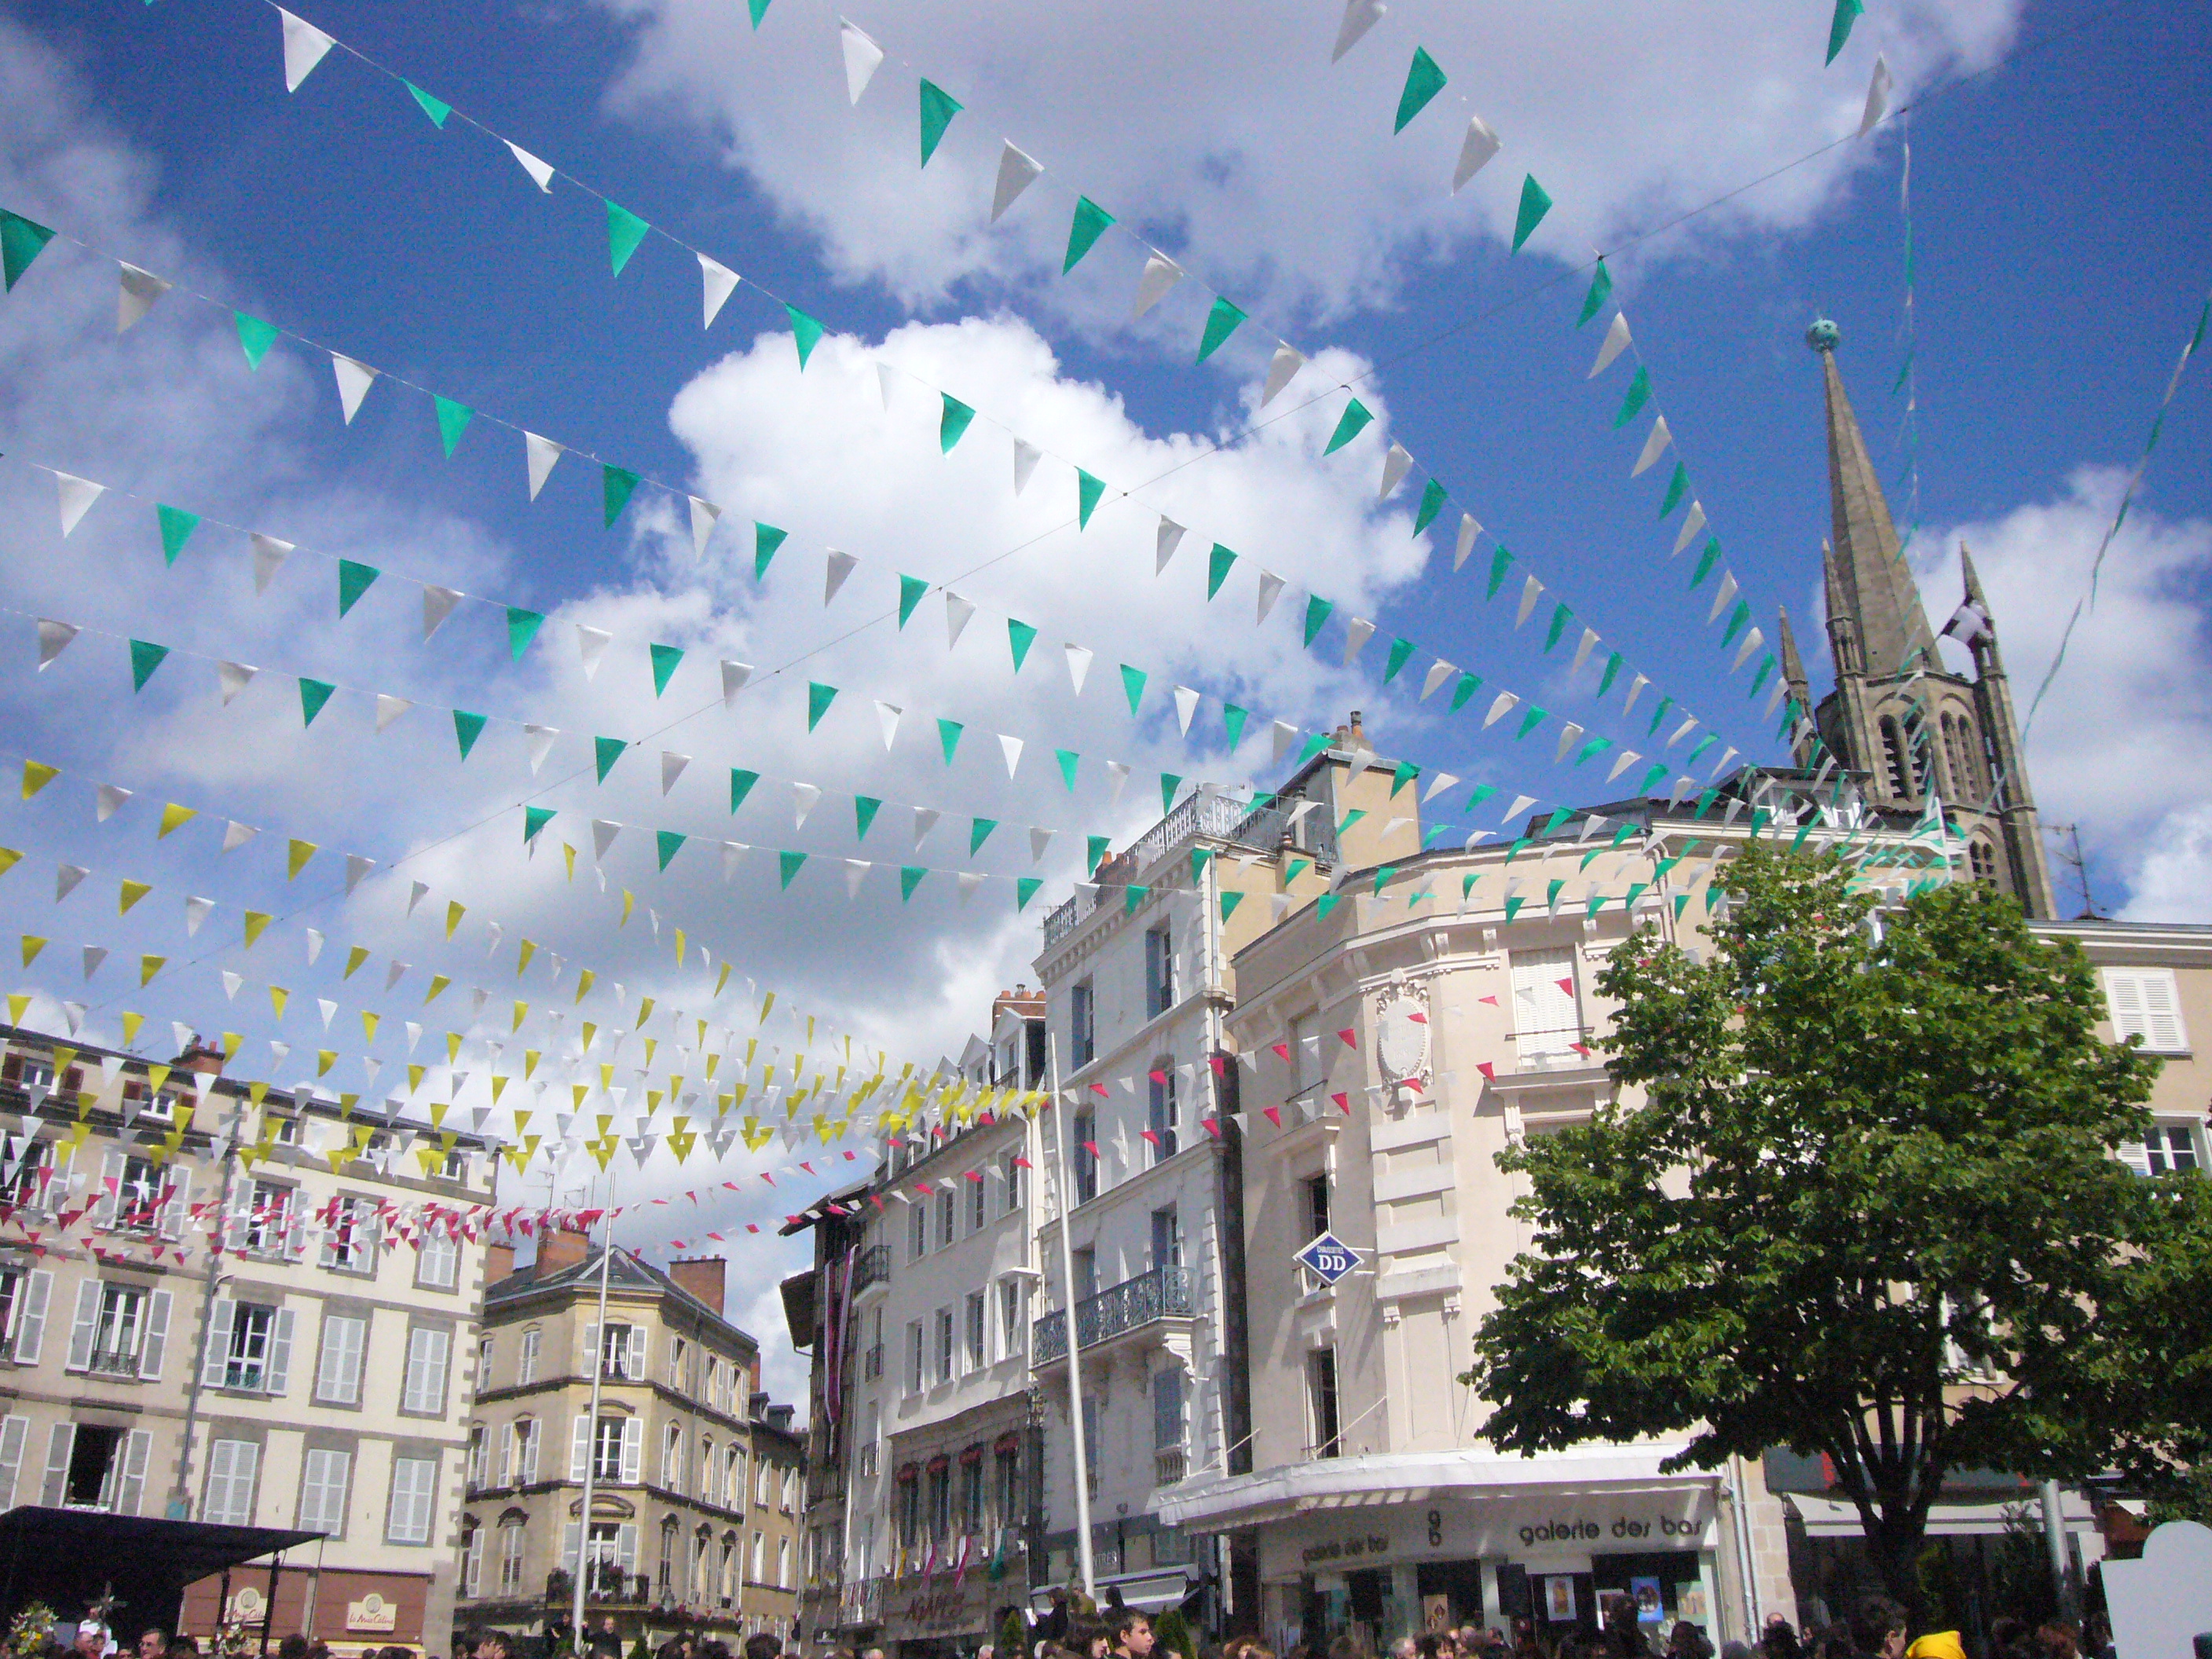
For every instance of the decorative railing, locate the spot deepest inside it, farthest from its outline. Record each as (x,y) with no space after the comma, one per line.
(1163,1294)
(871,1266)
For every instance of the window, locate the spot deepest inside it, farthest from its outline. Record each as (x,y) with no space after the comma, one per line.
(94,1468)
(1010,1168)
(733,1477)
(1159,970)
(525,1365)
(1308,1068)
(1086,1160)
(522,1446)
(1164,1114)
(917,1228)
(1321,1404)
(1086,1273)
(1167,1409)
(249,1347)
(472,1561)
(476,1463)
(607,1448)
(1092,1448)
(1082,1025)
(914,1356)
(978,1325)
(909,1510)
(979,1201)
(972,1490)
(483,1364)
(1981,861)
(117,1329)
(1013,1324)
(349,1242)
(27,1187)
(728,1580)
(1009,1485)
(944,1372)
(1895,764)
(134,1203)
(621,1353)
(759,1482)
(510,1556)
(671,1459)
(423,1392)
(612,1558)
(1546,1018)
(939,1500)
(2145,1005)
(287,1129)
(414,1491)
(232,1465)
(269,1219)
(324,1478)
(783,1564)
(2171,1147)
(337,1368)
(1167,1238)
(437,1258)
(1316,1204)
(760,1556)
(23,1300)
(665,1579)
(679,1350)
(947,1215)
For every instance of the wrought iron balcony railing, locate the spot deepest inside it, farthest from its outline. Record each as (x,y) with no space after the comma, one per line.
(1163,1294)
(871,1266)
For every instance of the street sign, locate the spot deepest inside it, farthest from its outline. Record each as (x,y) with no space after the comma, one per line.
(1329,1258)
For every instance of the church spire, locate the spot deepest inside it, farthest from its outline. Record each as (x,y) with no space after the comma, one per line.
(1879,593)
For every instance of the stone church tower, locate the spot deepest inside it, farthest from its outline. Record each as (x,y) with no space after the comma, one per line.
(1902,721)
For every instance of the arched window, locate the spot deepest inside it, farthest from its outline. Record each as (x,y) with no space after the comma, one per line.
(702,1588)
(1895,766)
(1982,860)
(760,1556)
(665,1580)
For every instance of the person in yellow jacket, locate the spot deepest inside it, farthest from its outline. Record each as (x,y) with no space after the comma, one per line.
(1936,1645)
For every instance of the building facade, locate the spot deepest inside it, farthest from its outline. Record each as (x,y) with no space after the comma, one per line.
(698,1479)
(272,1324)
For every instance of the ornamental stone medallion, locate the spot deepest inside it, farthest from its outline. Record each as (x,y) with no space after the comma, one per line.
(1402,1041)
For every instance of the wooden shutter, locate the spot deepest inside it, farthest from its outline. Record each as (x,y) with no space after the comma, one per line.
(633,1451)
(14,1431)
(173,1213)
(533,1438)
(634,1366)
(107,1201)
(137,1445)
(220,1316)
(59,1444)
(626,1546)
(31,1322)
(579,1446)
(279,1369)
(87,1318)
(156,1344)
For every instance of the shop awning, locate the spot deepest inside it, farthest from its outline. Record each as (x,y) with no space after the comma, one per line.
(67,1557)
(1145,1592)
(1838,1517)
(1212,1504)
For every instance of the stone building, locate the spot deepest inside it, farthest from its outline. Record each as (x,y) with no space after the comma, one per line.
(273,1324)
(697,1477)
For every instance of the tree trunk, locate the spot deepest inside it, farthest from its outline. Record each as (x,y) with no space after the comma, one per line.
(1895,1539)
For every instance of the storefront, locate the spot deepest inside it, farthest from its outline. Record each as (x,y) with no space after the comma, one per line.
(1388,1556)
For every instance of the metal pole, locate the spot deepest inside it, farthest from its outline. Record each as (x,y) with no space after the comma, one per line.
(2054,1538)
(592,1434)
(1074,1346)
(180,1495)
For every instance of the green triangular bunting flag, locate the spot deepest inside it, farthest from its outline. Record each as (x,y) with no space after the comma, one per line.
(1170,782)
(1232,722)
(608,750)
(1020,636)
(1349,425)
(979,832)
(766,539)
(741,785)
(313,694)
(948,735)
(1068,759)
(522,627)
(665,659)
(1677,487)
(625,230)
(467,728)
(1423,81)
(1220,323)
(807,334)
(1432,502)
(1839,27)
(21,240)
(865,808)
(1401,650)
(1601,290)
(1095,849)
(1230,901)
(145,657)
(177,527)
(938,106)
(790,863)
(1216,569)
(1090,224)
(911,877)
(616,483)
(436,108)
(1025,889)
(818,699)
(667,842)
(452,421)
(354,578)
(952,423)
(534,818)
(1535,204)
(911,588)
(1132,684)
(254,337)
(1638,395)
(1088,490)
(1317,612)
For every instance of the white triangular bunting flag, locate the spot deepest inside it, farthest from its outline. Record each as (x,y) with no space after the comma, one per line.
(1079,664)
(862,58)
(1017,173)
(197,910)
(1468,529)
(1654,447)
(539,453)
(925,820)
(66,880)
(109,799)
(1692,522)
(1439,672)
(602,837)
(1626,758)
(802,799)
(856,872)
(1164,542)
(1438,784)
(1025,460)
(839,566)
(1531,591)
(1012,749)
(1498,705)
(233,677)
(1356,633)
(672,768)
(1286,738)
(1751,641)
(732,852)
(957,610)
(735,676)
(53,638)
(1186,703)
(1396,466)
(1569,734)
(703,515)
(1521,804)
(269,556)
(304,46)
(353,380)
(390,708)
(76,497)
(537,743)
(1039,840)
(541,173)
(1877,98)
(1119,771)
(230,983)
(717,281)
(135,296)
(1270,589)
(887,716)
(438,604)
(1475,151)
(1359,16)
(1282,368)
(970,880)
(592,645)
(1615,343)
(1582,650)
(1160,274)
(236,834)
(1721,596)
(886,383)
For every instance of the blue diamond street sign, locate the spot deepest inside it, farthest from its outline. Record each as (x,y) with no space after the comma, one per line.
(1328,1257)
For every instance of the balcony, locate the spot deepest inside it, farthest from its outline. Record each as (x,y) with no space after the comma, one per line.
(872,1363)
(871,1266)
(1129,1307)
(106,1364)
(1217,817)
(1170,1465)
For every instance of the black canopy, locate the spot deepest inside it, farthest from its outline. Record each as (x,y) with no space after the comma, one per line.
(67,1557)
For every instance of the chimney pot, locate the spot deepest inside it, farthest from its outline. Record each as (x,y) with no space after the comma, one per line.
(704,1277)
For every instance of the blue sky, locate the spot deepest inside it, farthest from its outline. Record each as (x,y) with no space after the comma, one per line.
(2062,251)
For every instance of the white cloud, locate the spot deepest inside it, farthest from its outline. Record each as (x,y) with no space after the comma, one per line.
(1225,134)
(2122,743)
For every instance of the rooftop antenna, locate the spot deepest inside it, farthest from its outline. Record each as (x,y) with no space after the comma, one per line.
(2069,854)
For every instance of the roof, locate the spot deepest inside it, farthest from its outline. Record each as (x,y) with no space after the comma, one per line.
(626,1272)
(68,1558)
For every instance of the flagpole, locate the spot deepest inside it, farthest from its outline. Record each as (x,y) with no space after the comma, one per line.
(576,1635)
(1074,1347)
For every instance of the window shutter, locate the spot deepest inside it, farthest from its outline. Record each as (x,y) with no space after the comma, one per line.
(136,1447)
(531,1440)
(2162,1015)
(218,1343)
(31,1324)
(634,1362)
(173,1212)
(572,1538)
(14,1431)
(59,1444)
(626,1546)
(633,1451)
(437,1351)
(295,1229)
(237,1215)
(280,1353)
(81,1335)
(508,1437)
(2135,1155)
(156,1344)
(579,1447)
(106,1200)
(591,1347)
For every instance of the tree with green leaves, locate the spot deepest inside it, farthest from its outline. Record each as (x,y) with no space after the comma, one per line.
(1867,1207)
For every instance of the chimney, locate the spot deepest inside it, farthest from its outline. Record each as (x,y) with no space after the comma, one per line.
(1358,732)
(200,1056)
(756,1405)
(703,1277)
(499,1262)
(561,1247)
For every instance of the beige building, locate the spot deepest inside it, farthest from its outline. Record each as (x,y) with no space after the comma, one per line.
(696,1507)
(274,1327)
